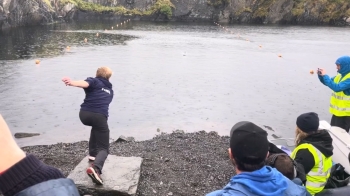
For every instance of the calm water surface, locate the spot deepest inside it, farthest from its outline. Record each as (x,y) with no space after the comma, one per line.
(166,75)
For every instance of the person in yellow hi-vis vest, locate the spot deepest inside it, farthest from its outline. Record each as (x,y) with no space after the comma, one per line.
(314,151)
(340,100)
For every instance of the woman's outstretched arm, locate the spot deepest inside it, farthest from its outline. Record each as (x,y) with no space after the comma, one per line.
(77,83)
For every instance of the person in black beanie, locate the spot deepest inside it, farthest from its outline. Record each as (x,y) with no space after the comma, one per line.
(314,151)
(248,150)
(25,175)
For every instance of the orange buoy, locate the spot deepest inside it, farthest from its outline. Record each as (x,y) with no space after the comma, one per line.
(37,61)
(279,55)
(311,71)
(97,34)
(260,46)
(68,47)
(85,40)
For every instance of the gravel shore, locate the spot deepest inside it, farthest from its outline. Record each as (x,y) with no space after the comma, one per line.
(174,164)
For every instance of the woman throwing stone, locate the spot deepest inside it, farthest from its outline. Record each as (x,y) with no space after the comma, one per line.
(94,113)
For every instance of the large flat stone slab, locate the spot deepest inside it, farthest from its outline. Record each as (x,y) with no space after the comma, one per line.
(120,177)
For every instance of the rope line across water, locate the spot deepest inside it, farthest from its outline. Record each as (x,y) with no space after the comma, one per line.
(242,38)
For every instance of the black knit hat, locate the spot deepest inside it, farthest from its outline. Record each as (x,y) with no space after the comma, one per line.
(248,143)
(308,122)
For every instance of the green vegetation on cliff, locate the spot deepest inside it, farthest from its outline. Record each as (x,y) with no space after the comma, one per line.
(217,3)
(161,6)
(325,10)
(318,10)
(263,8)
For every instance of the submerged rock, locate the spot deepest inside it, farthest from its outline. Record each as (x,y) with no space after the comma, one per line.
(24,135)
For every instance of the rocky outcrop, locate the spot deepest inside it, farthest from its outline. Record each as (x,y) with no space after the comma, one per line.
(308,12)
(120,175)
(15,13)
(24,135)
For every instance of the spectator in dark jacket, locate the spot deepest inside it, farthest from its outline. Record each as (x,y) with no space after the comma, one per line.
(25,175)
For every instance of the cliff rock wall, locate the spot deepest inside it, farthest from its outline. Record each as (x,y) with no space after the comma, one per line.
(307,12)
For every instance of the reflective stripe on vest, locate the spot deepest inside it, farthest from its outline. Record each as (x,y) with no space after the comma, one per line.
(317,178)
(340,103)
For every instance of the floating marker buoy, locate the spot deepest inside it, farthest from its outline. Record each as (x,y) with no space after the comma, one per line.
(246,39)
(279,55)
(111,27)
(37,61)
(117,25)
(311,71)
(85,40)
(97,34)
(260,46)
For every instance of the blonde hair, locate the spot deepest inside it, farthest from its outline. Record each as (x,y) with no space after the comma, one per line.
(299,135)
(104,72)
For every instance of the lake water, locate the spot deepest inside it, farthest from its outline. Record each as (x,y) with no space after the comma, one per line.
(167,76)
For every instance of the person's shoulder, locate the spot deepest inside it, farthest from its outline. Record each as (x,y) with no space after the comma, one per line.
(230,192)
(90,80)
(61,186)
(294,189)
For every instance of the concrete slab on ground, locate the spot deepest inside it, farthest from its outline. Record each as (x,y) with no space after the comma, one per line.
(120,177)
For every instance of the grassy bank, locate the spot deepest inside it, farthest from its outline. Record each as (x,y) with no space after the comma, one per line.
(160,7)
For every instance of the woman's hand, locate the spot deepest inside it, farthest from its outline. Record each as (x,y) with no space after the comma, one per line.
(67,81)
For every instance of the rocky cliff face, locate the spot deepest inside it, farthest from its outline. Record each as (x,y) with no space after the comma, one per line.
(22,13)
(309,12)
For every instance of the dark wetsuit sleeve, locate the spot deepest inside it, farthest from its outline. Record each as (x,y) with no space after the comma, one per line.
(305,158)
(91,82)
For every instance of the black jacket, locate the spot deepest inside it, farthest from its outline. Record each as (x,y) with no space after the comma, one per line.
(322,141)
